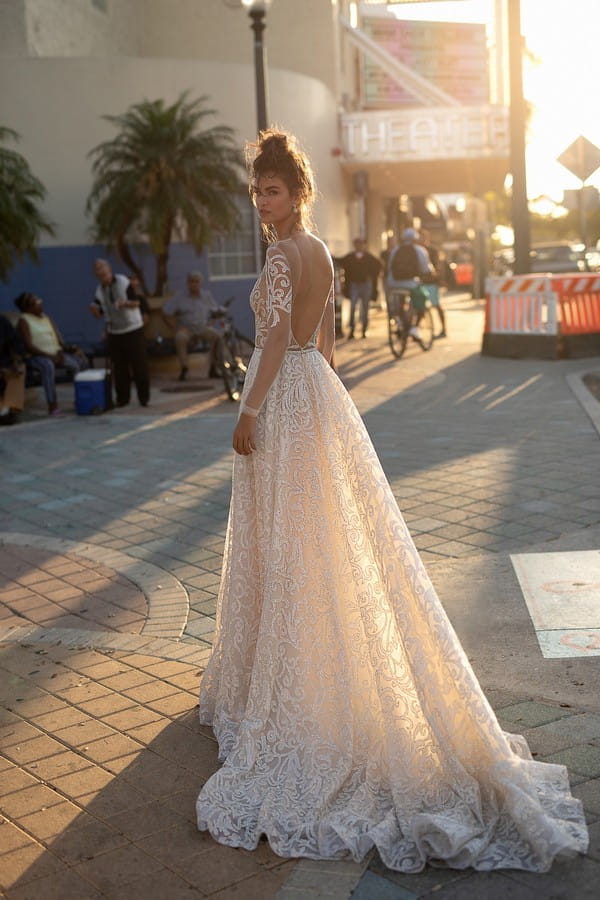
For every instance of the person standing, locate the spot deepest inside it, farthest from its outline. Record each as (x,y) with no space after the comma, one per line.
(361,271)
(433,282)
(124,333)
(346,712)
(188,317)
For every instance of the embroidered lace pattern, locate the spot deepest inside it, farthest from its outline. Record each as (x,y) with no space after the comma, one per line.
(346,711)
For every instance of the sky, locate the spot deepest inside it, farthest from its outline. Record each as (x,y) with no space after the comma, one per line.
(564,86)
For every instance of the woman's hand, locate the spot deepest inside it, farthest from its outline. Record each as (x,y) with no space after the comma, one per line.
(244,436)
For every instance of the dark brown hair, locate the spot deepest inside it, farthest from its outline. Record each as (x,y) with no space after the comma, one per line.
(277,153)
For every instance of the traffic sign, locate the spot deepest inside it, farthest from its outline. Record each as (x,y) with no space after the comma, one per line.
(582,158)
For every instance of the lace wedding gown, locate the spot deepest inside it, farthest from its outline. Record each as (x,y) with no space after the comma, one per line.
(346,711)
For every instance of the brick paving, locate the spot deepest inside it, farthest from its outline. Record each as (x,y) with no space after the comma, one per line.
(101,755)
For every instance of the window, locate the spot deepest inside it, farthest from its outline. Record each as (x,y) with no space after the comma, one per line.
(237,255)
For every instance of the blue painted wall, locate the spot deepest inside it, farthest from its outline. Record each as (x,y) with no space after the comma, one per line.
(64,279)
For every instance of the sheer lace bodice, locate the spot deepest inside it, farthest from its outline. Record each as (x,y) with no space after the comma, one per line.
(346,711)
(290,304)
(265,313)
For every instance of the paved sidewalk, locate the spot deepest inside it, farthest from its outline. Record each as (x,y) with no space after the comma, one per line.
(110,552)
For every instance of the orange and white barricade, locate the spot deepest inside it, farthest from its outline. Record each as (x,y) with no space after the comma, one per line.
(542,316)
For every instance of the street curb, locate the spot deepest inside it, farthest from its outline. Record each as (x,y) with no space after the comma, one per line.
(590,405)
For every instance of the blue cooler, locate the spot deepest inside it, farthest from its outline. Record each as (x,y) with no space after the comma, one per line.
(90,392)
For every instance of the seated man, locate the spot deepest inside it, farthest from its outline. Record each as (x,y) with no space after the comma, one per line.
(45,346)
(12,373)
(188,317)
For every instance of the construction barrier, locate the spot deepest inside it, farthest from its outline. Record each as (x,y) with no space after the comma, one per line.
(542,316)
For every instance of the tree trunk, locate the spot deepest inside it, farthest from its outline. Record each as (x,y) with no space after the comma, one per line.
(125,254)
(162,260)
(162,264)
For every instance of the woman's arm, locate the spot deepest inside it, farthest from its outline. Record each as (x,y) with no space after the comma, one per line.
(279,314)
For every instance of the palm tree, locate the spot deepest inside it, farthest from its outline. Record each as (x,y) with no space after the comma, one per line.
(163,178)
(21,221)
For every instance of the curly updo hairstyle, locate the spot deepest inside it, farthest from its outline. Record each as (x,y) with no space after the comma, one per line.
(277,153)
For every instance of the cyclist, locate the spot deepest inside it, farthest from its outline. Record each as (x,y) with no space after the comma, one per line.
(408,265)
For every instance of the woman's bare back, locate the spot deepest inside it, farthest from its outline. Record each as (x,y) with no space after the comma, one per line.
(312,277)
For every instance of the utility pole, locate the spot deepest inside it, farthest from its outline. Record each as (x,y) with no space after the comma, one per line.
(520,209)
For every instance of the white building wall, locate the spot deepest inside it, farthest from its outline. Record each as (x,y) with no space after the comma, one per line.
(57,106)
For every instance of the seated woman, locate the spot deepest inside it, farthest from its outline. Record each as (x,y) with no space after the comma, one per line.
(12,373)
(45,346)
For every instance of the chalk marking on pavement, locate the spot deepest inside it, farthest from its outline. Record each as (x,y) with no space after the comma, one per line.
(168,602)
(471,393)
(562,593)
(517,390)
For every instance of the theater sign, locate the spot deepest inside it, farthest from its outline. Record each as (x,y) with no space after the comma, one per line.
(425,123)
(429,150)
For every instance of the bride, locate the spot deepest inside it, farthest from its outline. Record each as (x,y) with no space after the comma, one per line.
(347,714)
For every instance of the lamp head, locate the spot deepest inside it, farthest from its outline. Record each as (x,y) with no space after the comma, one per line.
(256,5)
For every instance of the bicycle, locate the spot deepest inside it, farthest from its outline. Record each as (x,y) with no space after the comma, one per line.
(233,350)
(409,316)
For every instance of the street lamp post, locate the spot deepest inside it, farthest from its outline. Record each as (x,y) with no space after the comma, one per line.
(257,10)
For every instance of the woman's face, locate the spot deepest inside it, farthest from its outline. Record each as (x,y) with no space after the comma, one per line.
(34,305)
(273,200)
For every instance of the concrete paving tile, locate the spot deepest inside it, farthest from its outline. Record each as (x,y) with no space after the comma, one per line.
(37,748)
(529,714)
(160,884)
(594,848)
(17,779)
(577,879)
(61,717)
(178,843)
(589,794)
(12,838)
(20,802)
(145,820)
(128,719)
(62,763)
(156,777)
(117,867)
(216,868)
(102,706)
(79,784)
(47,823)
(262,886)
(26,865)
(491,886)
(84,733)
(583,759)
(110,748)
(80,842)
(174,705)
(376,887)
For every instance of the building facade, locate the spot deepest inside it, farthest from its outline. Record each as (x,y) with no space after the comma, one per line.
(65,64)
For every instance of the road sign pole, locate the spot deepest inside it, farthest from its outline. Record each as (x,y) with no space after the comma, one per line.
(582,215)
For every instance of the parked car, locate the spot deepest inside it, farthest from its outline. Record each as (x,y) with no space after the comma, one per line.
(557,256)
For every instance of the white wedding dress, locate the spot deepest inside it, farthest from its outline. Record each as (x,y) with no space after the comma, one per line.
(346,711)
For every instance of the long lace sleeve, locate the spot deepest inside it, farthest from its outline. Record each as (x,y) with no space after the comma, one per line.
(279,312)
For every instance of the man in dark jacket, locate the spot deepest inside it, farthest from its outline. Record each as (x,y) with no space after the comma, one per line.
(361,271)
